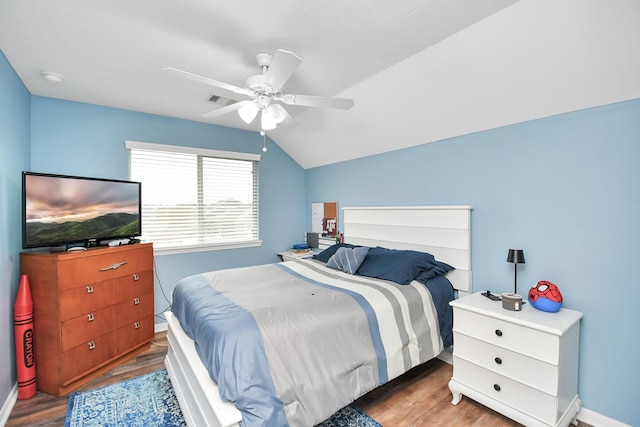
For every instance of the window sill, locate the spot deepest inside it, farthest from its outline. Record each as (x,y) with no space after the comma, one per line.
(173,250)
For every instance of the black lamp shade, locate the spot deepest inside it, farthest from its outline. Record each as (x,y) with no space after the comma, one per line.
(515,256)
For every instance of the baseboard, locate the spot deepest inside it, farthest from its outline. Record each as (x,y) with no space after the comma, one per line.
(7,407)
(447,355)
(598,420)
(161,327)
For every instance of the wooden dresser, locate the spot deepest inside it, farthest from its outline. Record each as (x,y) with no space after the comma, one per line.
(92,309)
(523,364)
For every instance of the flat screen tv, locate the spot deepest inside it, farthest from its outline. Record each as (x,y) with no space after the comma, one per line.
(62,211)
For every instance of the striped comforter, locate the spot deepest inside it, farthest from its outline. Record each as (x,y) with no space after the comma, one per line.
(291,343)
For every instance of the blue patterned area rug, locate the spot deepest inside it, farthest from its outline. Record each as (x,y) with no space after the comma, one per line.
(149,401)
(350,416)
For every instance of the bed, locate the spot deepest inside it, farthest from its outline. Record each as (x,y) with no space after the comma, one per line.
(343,335)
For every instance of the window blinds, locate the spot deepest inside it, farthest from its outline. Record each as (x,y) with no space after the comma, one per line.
(195,197)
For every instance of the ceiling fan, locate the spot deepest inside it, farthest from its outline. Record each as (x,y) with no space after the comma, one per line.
(264,92)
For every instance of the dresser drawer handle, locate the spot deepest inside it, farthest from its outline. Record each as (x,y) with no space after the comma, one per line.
(498,360)
(136,301)
(136,277)
(114,266)
(496,387)
(136,325)
(90,317)
(498,332)
(92,345)
(89,289)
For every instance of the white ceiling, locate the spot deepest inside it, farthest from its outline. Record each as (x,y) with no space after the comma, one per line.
(418,71)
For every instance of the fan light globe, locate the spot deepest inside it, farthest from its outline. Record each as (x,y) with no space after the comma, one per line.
(277,112)
(248,112)
(267,121)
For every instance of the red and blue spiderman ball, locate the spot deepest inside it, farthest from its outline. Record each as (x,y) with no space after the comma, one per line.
(545,296)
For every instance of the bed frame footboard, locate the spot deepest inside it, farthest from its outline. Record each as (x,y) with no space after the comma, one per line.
(197,394)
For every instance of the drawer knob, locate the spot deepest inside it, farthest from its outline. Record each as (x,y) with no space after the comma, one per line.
(136,277)
(496,387)
(498,360)
(136,325)
(498,332)
(136,301)
(89,289)
(92,345)
(90,317)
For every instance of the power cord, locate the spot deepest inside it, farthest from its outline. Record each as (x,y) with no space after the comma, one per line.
(155,272)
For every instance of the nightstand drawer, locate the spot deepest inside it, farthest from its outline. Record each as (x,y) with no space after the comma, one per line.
(528,400)
(530,342)
(532,372)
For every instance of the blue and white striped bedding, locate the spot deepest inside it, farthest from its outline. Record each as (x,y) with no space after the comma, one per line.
(291,343)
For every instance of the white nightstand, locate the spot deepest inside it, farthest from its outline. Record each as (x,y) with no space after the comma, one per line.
(523,364)
(289,256)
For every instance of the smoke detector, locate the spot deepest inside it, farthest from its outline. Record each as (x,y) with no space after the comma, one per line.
(52,77)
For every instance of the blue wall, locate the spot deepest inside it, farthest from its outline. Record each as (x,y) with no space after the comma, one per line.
(14,146)
(566,189)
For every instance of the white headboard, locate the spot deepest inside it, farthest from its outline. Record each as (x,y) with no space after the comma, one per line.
(443,231)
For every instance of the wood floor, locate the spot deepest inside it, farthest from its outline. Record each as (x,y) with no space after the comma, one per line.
(418,398)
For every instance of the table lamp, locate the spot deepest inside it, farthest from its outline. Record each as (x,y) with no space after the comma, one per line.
(515,256)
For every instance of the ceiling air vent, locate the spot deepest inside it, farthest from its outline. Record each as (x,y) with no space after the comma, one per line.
(221,100)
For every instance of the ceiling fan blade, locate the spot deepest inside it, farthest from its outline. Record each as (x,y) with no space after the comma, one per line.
(318,101)
(211,82)
(282,66)
(227,109)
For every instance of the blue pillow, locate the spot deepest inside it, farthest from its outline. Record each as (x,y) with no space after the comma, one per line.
(328,253)
(438,269)
(400,266)
(348,259)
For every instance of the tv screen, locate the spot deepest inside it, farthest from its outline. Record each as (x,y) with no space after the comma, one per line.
(60,210)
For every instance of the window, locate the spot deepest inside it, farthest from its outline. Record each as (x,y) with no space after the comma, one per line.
(196,199)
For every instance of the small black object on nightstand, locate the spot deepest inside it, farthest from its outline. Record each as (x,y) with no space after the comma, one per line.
(491,296)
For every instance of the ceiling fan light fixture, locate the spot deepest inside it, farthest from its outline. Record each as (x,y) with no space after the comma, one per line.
(267,121)
(248,112)
(277,112)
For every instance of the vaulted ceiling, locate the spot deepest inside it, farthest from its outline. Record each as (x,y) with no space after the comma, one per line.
(418,71)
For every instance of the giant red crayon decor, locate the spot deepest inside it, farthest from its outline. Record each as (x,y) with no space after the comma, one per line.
(23,322)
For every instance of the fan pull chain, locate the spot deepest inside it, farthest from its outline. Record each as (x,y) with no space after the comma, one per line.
(264,140)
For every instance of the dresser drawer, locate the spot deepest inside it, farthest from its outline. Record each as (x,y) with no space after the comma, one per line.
(85,299)
(528,400)
(532,372)
(530,342)
(133,334)
(134,309)
(75,271)
(131,286)
(86,357)
(87,327)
